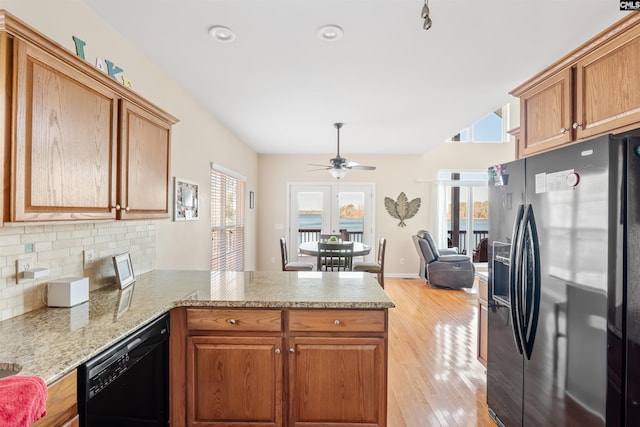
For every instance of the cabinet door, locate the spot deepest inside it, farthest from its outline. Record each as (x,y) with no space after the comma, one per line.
(545,114)
(62,403)
(145,142)
(234,381)
(337,381)
(608,87)
(64,145)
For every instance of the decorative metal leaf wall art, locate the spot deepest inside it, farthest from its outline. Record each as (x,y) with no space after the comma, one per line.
(402,208)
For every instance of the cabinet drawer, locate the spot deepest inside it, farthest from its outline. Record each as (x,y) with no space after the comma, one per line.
(234,320)
(337,320)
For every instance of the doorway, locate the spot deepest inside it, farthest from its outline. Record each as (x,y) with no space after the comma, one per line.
(329,208)
(463,210)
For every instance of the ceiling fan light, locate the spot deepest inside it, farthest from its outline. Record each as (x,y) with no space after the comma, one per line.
(337,173)
(427,23)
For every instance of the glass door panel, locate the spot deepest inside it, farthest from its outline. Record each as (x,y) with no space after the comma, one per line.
(328,208)
(480,223)
(352,214)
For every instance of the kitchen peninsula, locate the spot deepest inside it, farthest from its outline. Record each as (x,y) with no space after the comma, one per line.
(308,321)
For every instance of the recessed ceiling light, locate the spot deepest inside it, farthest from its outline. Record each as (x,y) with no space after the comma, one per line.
(222,34)
(330,33)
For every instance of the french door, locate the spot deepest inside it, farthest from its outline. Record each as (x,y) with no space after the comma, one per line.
(328,208)
(463,214)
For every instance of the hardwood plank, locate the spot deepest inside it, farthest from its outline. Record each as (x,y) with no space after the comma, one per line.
(434,379)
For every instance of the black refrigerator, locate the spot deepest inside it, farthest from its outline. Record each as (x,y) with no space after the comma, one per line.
(564,303)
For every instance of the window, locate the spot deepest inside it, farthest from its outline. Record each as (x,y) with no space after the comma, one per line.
(462,209)
(227,220)
(491,128)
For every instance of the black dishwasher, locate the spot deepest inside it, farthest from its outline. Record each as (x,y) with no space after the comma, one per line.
(128,384)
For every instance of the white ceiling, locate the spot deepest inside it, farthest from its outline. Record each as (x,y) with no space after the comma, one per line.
(398,88)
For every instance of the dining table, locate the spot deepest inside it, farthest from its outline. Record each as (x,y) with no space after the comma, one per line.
(311,248)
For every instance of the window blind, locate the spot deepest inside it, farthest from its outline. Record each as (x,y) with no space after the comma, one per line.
(227,222)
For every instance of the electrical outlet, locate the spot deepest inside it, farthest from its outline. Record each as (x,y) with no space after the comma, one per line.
(22,264)
(401,261)
(273,260)
(89,257)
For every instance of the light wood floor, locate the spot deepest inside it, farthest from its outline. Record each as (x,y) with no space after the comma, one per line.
(434,376)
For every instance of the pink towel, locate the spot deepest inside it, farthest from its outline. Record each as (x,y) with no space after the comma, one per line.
(23,400)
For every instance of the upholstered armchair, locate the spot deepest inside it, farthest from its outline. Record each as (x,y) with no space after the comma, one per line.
(440,267)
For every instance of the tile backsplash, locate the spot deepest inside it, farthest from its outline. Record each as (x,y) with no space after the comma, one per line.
(60,247)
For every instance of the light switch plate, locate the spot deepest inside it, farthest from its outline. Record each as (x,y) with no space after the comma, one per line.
(89,257)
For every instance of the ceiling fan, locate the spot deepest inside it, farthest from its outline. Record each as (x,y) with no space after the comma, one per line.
(339,165)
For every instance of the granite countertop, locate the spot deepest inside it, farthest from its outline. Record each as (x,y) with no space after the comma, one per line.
(50,342)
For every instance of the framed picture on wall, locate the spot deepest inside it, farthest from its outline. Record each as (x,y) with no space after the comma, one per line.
(185,200)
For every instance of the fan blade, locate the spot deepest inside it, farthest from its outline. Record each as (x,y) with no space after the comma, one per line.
(321,169)
(356,165)
(322,166)
(362,167)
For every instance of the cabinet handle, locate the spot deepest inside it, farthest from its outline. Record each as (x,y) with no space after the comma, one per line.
(116,207)
(336,322)
(127,209)
(577,125)
(564,130)
(277,351)
(292,350)
(233,321)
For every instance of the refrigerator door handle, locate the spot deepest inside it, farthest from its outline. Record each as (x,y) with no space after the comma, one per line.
(514,273)
(531,282)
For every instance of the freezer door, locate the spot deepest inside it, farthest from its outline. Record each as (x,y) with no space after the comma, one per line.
(504,362)
(565,379)
(632,404)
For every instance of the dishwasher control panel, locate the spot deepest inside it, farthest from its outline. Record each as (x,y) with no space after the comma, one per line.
(108,374)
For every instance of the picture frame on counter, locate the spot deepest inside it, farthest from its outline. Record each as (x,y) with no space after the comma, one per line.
(185,200)
(124,270)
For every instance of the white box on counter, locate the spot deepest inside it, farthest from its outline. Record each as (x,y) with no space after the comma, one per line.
(68,291)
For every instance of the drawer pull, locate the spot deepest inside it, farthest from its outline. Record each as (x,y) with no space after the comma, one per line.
(336,322)
(292,350)
(277,351)
(233,321)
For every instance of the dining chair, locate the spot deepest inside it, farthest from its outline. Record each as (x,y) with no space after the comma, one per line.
(374,267)
(326,237)
(335,256)
(292,265)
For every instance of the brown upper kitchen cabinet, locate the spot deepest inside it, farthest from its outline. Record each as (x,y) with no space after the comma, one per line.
(145,145)
(63,156)
(608,87)
(545,110)
(591,91)
(78,145)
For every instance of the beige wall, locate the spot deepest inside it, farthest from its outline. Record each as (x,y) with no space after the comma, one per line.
(413,175)
(197,141)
